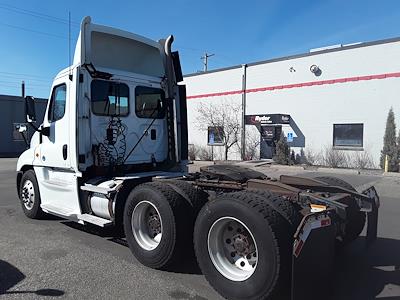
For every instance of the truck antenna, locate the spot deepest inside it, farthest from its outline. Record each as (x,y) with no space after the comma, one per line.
(69,46)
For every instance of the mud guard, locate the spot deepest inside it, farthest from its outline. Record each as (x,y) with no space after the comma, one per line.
(372,215)
(313,256)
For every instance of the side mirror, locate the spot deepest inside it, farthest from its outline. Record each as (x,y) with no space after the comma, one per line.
(30,112)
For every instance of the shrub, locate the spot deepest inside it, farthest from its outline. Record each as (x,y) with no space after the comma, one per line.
(282,154)
(205,153)
(335,158)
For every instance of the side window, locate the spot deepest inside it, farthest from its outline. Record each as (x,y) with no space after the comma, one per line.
(109,98)
(57,103)
(348,135)
(149,102)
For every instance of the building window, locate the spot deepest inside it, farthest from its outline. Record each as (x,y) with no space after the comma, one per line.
(149,102)
(215,135)
(348,135)
(109,98)
(57,104)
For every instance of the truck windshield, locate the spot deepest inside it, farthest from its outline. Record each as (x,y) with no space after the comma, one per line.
(109,98)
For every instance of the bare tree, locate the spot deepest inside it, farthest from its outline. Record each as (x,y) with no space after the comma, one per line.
(252,146)
(225,115)
(335,158)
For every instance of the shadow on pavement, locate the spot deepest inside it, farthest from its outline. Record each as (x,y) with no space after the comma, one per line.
(11,276)
(362,273)
(359,273)
(187,265)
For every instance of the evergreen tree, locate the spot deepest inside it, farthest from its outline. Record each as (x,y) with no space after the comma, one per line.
(282,154)
(390,147)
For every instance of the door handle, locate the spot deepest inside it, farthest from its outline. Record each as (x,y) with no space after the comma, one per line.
(64,151)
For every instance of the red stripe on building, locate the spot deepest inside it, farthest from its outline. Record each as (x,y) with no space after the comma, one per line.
(297,85)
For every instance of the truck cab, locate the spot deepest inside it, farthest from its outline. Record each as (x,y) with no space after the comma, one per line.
(117,110)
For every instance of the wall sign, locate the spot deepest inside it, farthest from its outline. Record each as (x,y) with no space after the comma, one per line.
(267,119)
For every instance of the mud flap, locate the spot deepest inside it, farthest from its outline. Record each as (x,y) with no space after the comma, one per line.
(372,215)
(313,256)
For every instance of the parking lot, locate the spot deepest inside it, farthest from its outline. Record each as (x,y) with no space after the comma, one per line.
(56,258)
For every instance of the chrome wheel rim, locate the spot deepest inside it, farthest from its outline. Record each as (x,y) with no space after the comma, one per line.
(146,225)
(28,194)
(232,249)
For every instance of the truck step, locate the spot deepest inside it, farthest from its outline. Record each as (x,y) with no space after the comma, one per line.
(95,189)
(94,220)
(104,188)
(55,210)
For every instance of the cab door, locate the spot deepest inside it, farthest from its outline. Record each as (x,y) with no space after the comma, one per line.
(54,148)
(56,176)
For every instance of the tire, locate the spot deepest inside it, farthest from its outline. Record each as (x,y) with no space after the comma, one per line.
(170,233)
(286,208)
(30,196)
(270,277)
(196,197)
(356,219)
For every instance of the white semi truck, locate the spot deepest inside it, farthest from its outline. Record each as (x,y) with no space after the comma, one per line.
(112,151)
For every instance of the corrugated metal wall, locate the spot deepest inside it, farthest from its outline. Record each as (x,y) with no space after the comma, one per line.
(12,112)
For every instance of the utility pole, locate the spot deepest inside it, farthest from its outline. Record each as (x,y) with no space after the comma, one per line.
(243,136)
(205,60)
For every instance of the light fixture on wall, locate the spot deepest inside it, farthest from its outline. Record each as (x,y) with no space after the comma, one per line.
(315,70)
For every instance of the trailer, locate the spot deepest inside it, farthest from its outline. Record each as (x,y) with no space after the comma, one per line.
(112,151)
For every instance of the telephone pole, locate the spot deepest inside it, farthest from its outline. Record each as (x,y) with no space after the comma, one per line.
(205,60)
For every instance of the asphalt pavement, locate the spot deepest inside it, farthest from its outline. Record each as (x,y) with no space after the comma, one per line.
(54,258)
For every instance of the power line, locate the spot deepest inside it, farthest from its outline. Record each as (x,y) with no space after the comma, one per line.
(36,14)
(34,31)
(23,74)
(19,78)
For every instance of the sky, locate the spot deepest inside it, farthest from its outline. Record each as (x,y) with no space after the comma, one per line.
(34,33)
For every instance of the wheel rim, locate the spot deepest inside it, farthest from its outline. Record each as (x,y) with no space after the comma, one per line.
(146,225)
(28,194)
(232,249)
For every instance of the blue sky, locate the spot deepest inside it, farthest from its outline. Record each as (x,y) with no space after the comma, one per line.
(35,48)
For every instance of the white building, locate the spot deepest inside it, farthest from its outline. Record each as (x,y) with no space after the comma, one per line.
(337,96)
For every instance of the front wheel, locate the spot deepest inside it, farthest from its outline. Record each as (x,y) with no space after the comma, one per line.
(243,247)
(30,196)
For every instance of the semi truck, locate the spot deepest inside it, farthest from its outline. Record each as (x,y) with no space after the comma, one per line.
(112,150)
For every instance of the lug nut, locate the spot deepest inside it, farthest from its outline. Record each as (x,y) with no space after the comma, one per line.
(233,254)
(242,264)
(228,241)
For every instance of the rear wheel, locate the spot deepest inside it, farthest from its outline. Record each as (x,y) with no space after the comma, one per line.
(356,219)
(243,247)
(157,223)
(30,196)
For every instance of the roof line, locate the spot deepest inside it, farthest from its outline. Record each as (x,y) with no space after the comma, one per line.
(346,47)
(298,85)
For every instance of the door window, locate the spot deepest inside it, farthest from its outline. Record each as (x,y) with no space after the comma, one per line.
(57,103)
